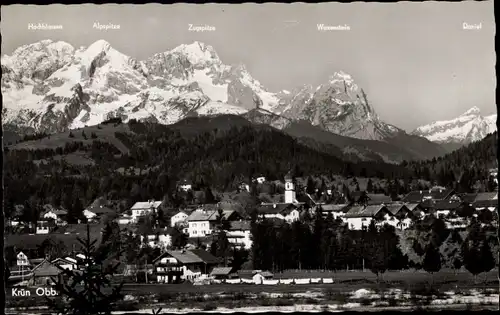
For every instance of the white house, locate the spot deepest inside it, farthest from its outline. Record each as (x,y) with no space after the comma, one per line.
(244,186)
(337,210)
(283,211)
(66,263)
(360,217)
(402,216)
(172,266)
(259,179)
(159,239)
(44,226)
(97,211)
(185,185)
(202,222)
(144,208)
(178,218)
(239,234)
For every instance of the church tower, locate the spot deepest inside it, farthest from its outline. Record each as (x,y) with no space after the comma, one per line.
(289,189)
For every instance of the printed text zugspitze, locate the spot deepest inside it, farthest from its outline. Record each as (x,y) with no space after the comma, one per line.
(323,27)
(204,28)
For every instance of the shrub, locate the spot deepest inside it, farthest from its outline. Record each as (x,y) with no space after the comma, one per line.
(336,296)
(239,296)
(365,302)
(311,301)
(392,301)
(284,302)
(209,306)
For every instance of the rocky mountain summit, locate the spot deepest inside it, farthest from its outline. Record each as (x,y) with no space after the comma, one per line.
(469,127)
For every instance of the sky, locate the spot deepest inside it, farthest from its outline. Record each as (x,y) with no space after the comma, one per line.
(415,61)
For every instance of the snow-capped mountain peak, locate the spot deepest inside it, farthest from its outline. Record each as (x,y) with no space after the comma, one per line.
(473,111)
(49,86)
(198,53)
(469,127)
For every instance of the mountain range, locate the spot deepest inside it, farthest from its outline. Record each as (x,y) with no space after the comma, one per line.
(469,127)
(52,87)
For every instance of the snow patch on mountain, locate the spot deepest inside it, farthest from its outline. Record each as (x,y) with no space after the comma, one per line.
(469,127)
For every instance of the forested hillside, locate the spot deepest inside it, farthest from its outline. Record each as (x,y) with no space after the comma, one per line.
(140,161)
(463,169)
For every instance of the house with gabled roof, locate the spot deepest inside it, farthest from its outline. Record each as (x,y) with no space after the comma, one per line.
(485,201)
(96,212)
(159,237)
(417,209)
(179,218)
(52,213)
(435,193)
(185,185)
(239,234)
(401,216)
(202,222)
(143,208)
(43,273)
(175,266)
(443,208)
(360,217)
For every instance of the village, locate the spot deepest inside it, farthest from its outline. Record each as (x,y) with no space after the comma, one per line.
(199,223)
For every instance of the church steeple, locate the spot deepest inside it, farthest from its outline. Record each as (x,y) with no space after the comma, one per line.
(290,196)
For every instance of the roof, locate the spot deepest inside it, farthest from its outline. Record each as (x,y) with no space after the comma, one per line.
(288,176)
(221,271)
(46,269)
(446,205)
(365,211)
(356,195)
(412,206)
(184,256)
(378,198)
(203,215)
(99,210)
(485,203)
(439,193)
(275,208)
(486,196)
(205,256)
(395,208)
(62,260)
(415,196)
(239,226)
(334,207)
(246,273)
(50,208)
(436,193)
(145,205)
(469,198)
(265,273)
(185,182)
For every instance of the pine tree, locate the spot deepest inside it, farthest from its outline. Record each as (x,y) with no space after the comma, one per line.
(209,196)
(451,251)
(93,279)
(471,250)
(432,260)
(486,257)
(369,186)
(311,186)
